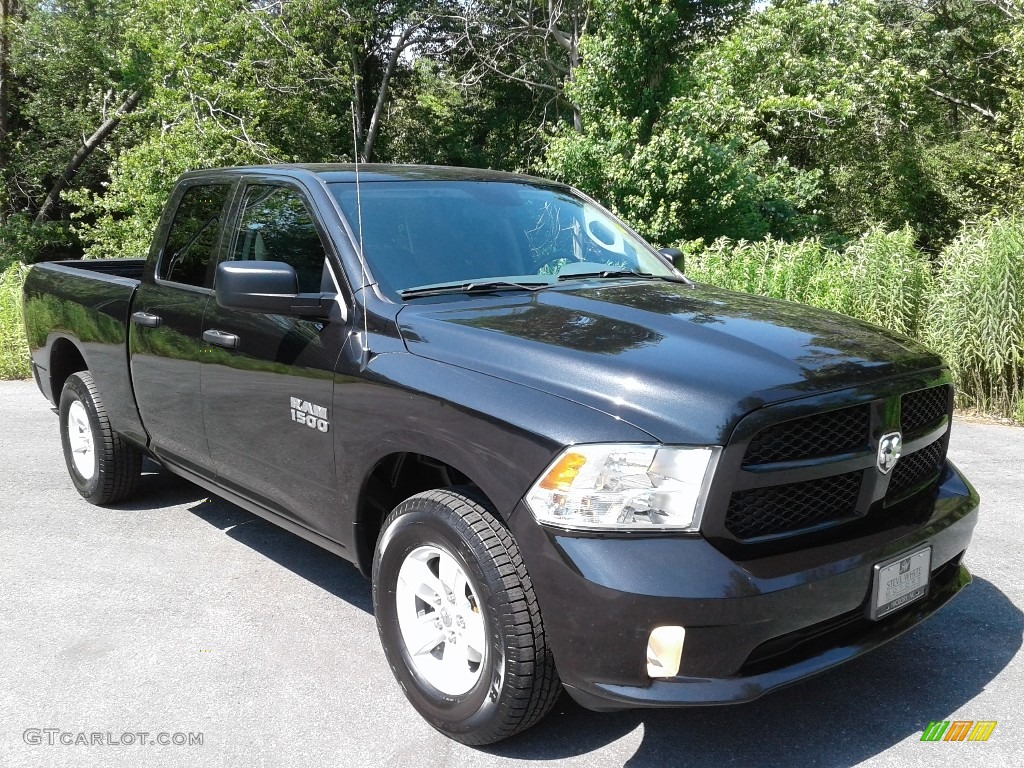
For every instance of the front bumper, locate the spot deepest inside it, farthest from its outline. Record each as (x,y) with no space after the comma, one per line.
(751,626)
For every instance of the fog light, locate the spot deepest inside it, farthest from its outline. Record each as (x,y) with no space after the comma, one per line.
(664,650)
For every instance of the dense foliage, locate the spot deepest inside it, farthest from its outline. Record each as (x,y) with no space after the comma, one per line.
(858,154)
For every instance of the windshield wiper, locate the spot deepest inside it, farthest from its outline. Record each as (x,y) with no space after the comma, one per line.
(471,286)
(604,273)
(621,273)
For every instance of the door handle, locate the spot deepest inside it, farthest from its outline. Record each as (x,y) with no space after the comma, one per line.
(220,339)
(146,319)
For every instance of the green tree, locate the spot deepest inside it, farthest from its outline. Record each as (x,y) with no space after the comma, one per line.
(529,44)
(68,89)
(820,94)
(964,51)
(638,150)
(441,119)
(226,83)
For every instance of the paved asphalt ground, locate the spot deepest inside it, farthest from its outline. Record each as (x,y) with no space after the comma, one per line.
(181,613)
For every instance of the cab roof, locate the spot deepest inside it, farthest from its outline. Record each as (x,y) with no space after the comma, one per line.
(368,172)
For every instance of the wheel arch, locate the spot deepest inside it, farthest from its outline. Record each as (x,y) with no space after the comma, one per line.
(65,359)
(396,476)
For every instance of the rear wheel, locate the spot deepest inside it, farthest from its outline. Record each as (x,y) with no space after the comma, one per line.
(103,467)
(459,620)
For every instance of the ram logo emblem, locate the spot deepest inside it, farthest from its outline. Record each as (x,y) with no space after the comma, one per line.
(890,448)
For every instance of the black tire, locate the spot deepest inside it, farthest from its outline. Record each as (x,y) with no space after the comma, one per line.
(517,683)
(117,465)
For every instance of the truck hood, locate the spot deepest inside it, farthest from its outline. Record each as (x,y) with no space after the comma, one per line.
(683,363)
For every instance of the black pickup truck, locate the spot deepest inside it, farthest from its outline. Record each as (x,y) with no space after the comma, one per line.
(562,463)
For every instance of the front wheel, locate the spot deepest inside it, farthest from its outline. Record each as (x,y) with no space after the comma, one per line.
(459,620)
(103,467)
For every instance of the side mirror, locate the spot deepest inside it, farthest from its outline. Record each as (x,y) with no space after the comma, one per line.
(270,287)
(677,257)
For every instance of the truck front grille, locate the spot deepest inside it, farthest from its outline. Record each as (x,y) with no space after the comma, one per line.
(797,506)
(924,409)
(823,434)
(916,469)
(818,470)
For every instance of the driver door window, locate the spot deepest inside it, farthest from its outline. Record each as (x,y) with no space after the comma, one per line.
(276,225)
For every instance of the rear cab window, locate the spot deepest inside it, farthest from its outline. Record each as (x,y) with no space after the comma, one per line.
(193,236)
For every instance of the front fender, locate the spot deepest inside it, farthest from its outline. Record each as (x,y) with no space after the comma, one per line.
(499,434)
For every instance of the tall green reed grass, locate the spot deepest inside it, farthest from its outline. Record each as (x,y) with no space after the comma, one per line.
(976,315)
(13,347)
(882,277)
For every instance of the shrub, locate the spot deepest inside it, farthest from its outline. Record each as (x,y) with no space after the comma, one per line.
(22,240)
(13,347)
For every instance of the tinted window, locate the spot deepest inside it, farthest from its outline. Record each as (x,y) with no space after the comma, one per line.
(194,233)
(276,226)
(417,233)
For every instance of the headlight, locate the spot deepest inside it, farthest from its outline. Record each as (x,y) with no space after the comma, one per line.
(625,487)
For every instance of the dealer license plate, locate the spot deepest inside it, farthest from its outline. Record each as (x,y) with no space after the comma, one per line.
(900,581)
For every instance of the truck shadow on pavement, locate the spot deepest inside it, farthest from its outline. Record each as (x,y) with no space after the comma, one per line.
(303,558)
(840,718)
(159,488)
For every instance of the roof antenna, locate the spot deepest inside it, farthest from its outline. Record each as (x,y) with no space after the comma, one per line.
(364,342)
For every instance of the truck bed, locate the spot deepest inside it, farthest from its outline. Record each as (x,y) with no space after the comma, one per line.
(85,306)
(130,268)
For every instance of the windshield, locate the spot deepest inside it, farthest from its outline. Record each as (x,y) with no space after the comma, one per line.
(424,233)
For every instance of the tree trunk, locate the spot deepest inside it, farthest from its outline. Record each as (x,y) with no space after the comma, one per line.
(8,8)
(5,64)
(357,103)
(988,114)
(82,154)
(574,65)
(382,93)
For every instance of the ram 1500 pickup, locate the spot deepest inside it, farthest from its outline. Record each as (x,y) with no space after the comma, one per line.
(562,463)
